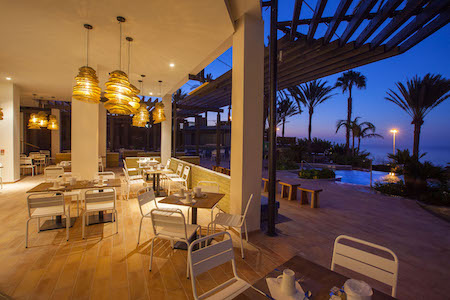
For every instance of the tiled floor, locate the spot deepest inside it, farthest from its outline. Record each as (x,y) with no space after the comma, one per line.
(111,266)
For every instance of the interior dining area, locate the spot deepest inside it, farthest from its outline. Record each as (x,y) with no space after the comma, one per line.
(101,199)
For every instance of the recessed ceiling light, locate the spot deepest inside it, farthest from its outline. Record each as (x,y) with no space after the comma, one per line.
(8,78)
(150,93)
(172,65)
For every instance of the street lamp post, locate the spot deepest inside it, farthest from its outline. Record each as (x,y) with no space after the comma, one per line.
(393,131)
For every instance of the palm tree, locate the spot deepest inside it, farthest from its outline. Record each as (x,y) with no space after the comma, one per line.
(178,96)
(418,98)
(363,130)
(310,95)
(285,109)
(346,82)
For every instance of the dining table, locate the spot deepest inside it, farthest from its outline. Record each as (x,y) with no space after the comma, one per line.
(59,222)
(156,177)
(312,277)
(207,201)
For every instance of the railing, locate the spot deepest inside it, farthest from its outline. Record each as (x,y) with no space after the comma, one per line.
(304,161)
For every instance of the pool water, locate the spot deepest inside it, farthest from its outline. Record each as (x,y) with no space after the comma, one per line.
(363,178)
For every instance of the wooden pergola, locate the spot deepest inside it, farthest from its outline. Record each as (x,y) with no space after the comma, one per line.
(304,56)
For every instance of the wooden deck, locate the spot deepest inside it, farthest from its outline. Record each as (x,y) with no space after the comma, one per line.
(110,266)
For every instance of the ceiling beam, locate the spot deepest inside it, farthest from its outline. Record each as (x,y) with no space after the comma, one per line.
(337,18)
(397,21)
(429,12)
(421,34)
(361,12)
(375,23)
(295,17)
(320,6)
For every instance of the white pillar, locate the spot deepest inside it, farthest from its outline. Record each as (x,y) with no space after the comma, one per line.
(56,134)
(102,119)
(247,115)
(85,139)
(166,130)
(10,132)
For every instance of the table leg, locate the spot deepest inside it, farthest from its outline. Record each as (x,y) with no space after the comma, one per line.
(157,184)
(194,215)
(154,185)
(58,219)
(100,215)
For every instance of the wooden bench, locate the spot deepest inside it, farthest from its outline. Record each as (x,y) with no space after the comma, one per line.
(266,185)
(289,190)
(314,196)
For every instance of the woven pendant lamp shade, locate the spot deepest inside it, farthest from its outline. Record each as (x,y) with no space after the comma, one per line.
(1,113)
(42,119)
(33,122)
(119,93)
(134,103)
(158,113)
(86,88)
(52,123)
(142,117)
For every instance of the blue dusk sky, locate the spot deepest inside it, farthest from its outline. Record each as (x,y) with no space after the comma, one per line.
(429,56)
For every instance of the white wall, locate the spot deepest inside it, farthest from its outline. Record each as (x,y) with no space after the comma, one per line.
(166,130)
(10,131)
(102,119)
(56,134)
(85,139)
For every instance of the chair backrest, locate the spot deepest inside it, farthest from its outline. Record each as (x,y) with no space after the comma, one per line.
(46,152)
(53,172)
(144,197)
(170,221)
(65,163)
(26,161)
(209,257)
(371,265)
(100,195)
(107,175)
(246,207)
(41,200)
(127,176)
(208,186)
(186,171)
(168,163)
(100,160)
(179,169)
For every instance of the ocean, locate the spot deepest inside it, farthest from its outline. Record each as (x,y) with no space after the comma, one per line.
(436,155)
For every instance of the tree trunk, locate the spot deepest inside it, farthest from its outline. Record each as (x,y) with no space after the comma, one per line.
(359,143)
(349,119)
(353,144)
(282,132)
(309,126)
(417,127)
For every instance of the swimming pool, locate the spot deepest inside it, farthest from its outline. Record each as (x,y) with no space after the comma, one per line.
(363,178)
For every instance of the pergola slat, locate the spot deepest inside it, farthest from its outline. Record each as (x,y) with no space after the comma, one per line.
(295,17)
(384,13)
(360,14)
(421,34)
(314,22)
(337,19)
(397,21)
(429,12)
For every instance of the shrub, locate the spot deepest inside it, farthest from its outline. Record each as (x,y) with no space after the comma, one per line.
(284,163)
(391,188)
(316,174)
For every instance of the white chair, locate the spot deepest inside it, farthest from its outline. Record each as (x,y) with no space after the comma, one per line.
(178,172)
(236,221)
(213,154)
(365,263)
(183,180)
(131,170)
(145,196)
(51,173)
(75,193)
(41,205)
(96,200)
(171,225)
(100,163)
(209,257)
(107,175)
(129,182)
(27,163)
(65,163)
(47,155)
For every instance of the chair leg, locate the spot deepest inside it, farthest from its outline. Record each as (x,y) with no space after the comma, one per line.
(78,205)
(83,225)
(67,225)
(151,254)
(242,244)
(246,232)
(140,226)
(39,225)
(26,234)
(187,264)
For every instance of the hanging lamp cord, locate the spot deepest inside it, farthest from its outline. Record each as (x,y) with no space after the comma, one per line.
(87,47)
(120,46)
(129,57)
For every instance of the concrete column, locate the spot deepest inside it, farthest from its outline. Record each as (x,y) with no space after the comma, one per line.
(56,134)
(166,130)
(85,136)
(102,136)
(247,115)
(10,132)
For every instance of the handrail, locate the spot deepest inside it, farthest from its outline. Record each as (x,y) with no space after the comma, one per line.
(304,161)
(34,146)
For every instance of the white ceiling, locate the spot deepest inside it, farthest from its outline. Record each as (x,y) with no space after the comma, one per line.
(43,42)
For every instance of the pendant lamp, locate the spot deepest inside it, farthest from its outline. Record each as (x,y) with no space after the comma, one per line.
(158,112)
(87,88)
(52,123)
(1,113)
(42,119)
(118,88)
(134,103)
(143,116)
(33,122)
